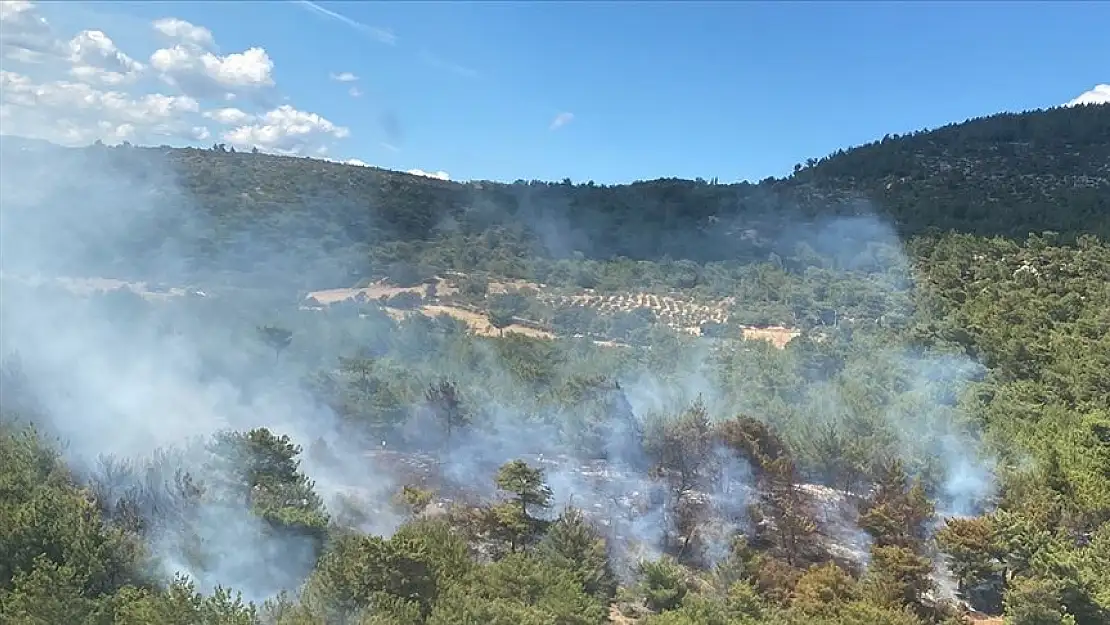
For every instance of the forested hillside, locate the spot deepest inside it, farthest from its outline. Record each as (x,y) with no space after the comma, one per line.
(201,424)
(1009,175)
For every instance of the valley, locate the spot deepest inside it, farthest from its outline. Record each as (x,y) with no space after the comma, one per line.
(307,393)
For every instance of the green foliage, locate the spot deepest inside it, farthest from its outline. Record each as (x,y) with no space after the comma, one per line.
(897,577)
(519,589)
(1036,602)
(896,514)
(262,469)
(1043,416)
(867,613)
(62,564)
(976,559)
(315,210)
(504,308)
(356,571)
(877,372)
(525,484)
(663,583)
(823,590)
(443,547)
(446,406)
(181,604)
(415,498)
(48,593)
(275,338)
(50,531)
(405,300)
(573,544)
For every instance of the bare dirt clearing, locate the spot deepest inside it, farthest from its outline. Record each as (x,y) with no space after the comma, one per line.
(377,291)
(680,313)
(441,286)
(477,323)
(677,312)
(91,286)
(777,335)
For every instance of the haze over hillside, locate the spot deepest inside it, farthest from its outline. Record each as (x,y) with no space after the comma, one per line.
(871,393)
(1008,175)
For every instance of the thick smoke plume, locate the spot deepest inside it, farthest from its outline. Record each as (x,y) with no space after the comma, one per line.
(116,378)
(122,388)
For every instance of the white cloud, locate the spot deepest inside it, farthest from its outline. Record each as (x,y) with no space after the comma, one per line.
(27,36)
(1100,94)
(439,175)
(560,120)
(93,47)
(204,73)
(357,162)
(185,32)
(95,75)
(63,96)
(95,58)
(11,9)
(74,113)
(284,130)
(191,65)
(77,88)
(355,92)
(344,77)
(229,116)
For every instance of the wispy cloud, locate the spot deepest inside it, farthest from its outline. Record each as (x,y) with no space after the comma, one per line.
(454,68)
(382,35)
(355,92)
(389,146)
(562,119)
(343,77)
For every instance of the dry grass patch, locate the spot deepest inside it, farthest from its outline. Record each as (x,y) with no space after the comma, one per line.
(618,617)
(681,314)
(90,286)
(479,324)
(777,335)
(377,290)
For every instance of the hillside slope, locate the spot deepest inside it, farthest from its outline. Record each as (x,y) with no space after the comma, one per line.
(949,410)
(1008,174)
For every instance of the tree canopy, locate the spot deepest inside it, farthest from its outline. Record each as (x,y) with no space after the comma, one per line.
(750,404)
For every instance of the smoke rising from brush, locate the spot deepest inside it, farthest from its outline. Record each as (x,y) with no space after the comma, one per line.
(126,376)
(120,379)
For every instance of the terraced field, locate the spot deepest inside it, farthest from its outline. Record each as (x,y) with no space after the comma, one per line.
(675,311)
(441,297)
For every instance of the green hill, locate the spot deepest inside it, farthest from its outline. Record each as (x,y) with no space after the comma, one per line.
(1009,175)
(926,433)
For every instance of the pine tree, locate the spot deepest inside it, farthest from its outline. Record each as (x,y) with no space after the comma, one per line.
(525,483)
(572,543)
(897,512)
(443,400)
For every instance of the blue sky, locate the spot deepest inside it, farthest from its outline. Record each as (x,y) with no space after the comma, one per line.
(733,90)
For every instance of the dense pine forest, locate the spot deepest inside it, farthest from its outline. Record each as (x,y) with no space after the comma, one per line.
(247,389)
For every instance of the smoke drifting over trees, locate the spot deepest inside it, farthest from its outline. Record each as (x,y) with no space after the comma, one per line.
(209,445)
